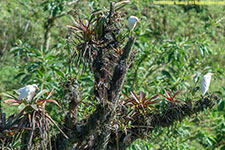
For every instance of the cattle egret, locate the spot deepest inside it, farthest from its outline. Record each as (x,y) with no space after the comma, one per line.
(206,82)
(27,92)
(132,21)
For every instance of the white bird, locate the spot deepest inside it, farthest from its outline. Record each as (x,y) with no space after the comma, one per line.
(27,92)
(206,82)
(132,22)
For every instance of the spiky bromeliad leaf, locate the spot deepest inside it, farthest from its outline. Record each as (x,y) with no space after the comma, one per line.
(14,101)
(141,102)
(41,101)
(169,97)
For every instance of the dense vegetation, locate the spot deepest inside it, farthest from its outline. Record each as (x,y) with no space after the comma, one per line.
(174,47)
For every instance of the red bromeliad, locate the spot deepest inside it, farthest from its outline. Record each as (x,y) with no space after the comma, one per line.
(141,102)
(169,97)
(37,101)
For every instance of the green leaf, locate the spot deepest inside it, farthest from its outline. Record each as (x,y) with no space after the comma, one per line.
(211,140)
(42,92)
(166,73)
(32,67)
(221,105)
(35,51)
(9,96)
(26,79)
(20,74)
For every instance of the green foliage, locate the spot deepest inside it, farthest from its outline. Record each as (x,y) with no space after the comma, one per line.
(176,46)
(40,66)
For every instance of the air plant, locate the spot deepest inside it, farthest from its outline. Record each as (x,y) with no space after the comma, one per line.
(141,102)
(118,51)
(169,97)
(34,119)
(101,31)
(83,29)
(36,100)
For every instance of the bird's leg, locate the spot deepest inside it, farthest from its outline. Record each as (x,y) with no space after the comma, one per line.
(130,34)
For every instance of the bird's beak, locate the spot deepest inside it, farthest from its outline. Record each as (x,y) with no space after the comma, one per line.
(38,88)
(139,21)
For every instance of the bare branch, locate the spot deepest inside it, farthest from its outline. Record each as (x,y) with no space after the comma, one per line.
(116,83)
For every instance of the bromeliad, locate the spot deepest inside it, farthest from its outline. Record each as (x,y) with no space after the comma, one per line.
(141,102)
(169,97)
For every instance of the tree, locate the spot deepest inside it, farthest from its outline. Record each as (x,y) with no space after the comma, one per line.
(100,46)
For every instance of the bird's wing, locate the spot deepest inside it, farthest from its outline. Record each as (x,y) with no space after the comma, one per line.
(30,96)
(26,92)
(204,85)
(31,92)
(131,25)
(20,90)
(23,94)
(204,90)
